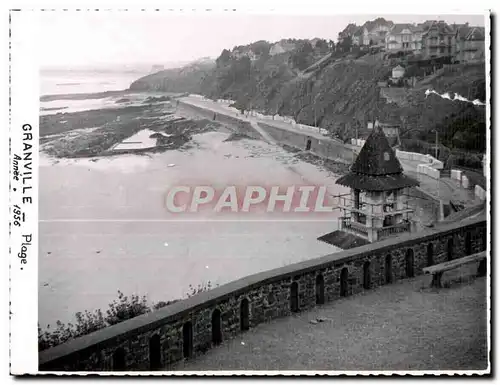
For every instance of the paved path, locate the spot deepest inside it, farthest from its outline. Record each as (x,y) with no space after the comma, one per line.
(403,326)
(261,131)
(225,110)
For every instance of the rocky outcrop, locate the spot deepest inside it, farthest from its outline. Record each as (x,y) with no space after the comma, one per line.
(185,79)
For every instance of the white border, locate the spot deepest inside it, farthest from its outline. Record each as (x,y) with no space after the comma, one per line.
(24,110)
(25,92)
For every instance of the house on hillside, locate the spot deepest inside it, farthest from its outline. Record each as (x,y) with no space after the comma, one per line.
(390,126)
(314,41)
(374,32)
(470,43)
(398,72)
(347,32)
(438,40)
(404,37)
(357,37)
(417,33)
(281,47)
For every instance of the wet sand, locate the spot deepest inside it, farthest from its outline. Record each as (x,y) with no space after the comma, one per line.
(104,226)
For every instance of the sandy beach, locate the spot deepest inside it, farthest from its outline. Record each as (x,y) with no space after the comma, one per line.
(104,226)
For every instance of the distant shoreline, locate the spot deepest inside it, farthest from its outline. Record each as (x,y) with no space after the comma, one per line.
(101,95)
(83,96)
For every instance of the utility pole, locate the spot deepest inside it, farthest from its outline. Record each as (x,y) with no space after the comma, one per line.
(436,149)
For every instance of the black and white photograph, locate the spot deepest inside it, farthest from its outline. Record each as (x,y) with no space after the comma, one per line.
(258,192)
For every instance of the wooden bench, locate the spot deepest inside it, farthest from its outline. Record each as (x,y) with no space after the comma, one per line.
(438,270)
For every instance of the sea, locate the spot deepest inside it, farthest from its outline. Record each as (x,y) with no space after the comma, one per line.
(56,82)
(104,226)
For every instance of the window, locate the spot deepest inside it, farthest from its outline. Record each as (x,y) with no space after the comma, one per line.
(388,269)
(294,297)
(430,254)
(450,249)
(155,353)
(409,264)
(244,315)
(366,276)
(468,244)
(344,275)
(216,327)
(187,339)
(119,359)
(320,290)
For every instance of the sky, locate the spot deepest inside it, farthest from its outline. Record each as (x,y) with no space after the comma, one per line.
(88,38)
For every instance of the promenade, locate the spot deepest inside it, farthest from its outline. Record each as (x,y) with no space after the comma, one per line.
(444,188)
(403,326)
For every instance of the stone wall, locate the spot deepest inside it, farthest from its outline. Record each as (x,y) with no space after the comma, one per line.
(324,147)
(425,202)
(156,340)
(232,123)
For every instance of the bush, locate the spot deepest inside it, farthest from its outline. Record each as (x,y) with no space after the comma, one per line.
(120,310)
(200,289)
(124,309)
(86,323)
(473,161)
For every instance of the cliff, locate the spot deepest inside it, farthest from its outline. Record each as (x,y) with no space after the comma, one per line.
(184,79)
(339,90)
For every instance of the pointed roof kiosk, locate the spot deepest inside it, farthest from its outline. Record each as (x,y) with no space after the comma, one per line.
(377,206)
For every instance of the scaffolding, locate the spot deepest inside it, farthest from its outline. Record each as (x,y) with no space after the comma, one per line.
(361,217)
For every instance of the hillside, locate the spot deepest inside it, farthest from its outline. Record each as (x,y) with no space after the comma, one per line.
(339,91)
(184,79)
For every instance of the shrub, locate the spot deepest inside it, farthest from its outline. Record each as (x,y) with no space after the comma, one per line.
(86,323)
(119,310)
(200,289)
(124,309)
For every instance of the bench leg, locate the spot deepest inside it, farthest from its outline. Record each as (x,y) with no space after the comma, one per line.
(482,268)
(436,280)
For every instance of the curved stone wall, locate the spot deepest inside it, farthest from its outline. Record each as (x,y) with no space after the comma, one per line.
(192,326)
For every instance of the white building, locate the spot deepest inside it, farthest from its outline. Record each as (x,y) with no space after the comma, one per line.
(398,72)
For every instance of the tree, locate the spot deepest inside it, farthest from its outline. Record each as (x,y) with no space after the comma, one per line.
(260,48)
(322,46)
(331,45)
(300,58)
(346,44)
(223,59)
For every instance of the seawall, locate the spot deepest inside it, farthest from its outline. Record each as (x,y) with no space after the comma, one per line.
(322,147)
(319,145)
(190,327)
(233,123)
